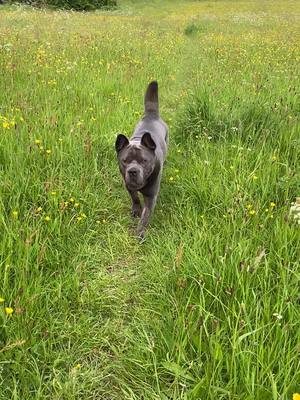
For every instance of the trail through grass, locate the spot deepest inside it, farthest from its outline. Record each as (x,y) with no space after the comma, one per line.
(208,306)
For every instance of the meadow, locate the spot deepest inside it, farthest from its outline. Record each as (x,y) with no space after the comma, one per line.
(208,307)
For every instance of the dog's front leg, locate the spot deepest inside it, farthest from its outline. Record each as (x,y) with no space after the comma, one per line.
(149,204)
(136,210)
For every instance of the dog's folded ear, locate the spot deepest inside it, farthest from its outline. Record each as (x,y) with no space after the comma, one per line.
(121,142)
(148,142)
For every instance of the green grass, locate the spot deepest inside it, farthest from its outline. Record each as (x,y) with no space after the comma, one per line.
(208,307)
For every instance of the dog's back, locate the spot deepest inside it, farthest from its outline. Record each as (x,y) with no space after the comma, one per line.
(152,122)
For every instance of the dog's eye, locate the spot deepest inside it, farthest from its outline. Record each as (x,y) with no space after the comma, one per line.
(144,160)
(124,160)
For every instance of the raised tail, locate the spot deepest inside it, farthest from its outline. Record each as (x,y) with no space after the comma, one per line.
(151,98)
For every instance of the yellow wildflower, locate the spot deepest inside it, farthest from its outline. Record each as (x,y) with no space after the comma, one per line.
(37,141)
(252,212)
(72,200)
(53,193)
(296,396)
(171,178)
(5,125)
(48,151)
(9,310)
(47,218)
(15,214)
(1,300)
(272,204)
(78,366)
(76,205)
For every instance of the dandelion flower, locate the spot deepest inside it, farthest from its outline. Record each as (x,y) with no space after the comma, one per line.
(9,310)
(296,396)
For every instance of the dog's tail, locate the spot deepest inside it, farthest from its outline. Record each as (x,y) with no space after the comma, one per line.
(151,99)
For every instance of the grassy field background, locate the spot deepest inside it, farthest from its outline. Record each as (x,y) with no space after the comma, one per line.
(209,306)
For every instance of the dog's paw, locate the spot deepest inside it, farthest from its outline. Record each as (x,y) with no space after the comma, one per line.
(136,211)
(140,235)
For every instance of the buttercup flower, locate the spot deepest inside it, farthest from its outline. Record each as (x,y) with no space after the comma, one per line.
(296,396)
(47,218)
(15,214)
(9,310)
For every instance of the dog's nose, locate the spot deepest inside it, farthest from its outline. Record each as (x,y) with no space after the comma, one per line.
(132,172)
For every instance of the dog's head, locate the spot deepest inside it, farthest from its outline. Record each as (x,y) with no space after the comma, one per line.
(137,160)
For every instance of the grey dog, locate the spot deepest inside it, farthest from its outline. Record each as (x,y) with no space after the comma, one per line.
(141,158)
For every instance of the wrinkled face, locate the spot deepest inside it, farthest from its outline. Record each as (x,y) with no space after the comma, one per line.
(136,161)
